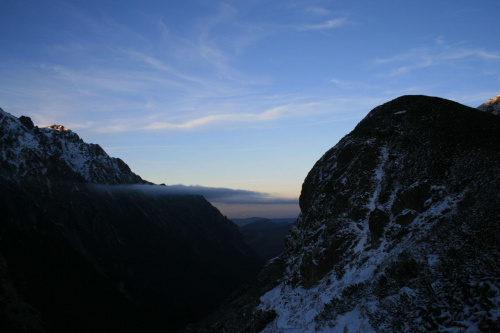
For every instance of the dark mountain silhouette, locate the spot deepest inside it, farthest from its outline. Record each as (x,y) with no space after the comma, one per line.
(85,247)
(247,220)
(399,232)
(266,237)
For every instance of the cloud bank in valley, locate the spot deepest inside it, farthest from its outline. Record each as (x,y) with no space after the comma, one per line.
(240,203)
(218,194)
(231,202)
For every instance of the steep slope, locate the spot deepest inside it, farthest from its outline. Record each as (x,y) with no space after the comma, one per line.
(265,237)
(399,231)
(30,153)
(85,245)
(491,106)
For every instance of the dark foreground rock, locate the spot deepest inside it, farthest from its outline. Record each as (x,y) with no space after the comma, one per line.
(399,231)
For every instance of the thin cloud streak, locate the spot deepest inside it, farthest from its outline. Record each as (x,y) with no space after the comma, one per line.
(175,98)
(424,57)
(271,114)
(353,85)
(214,120)
(158,64)
(215,194)
(320,11)
(330,24)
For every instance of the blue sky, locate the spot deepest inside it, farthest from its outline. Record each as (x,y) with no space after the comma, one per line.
(241,95)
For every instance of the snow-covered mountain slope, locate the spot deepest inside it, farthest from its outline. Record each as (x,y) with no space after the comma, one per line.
(29,152)
(399,231)
(491,106)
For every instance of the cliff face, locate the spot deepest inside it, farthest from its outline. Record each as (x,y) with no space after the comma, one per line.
(399,231)
(85,245)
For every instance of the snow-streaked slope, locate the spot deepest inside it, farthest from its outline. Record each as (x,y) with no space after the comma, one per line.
(32,152)
(376,232)
(399,231)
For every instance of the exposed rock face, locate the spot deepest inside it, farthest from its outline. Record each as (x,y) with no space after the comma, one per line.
(32,153)
(491,106)
(399,231)
(86,246)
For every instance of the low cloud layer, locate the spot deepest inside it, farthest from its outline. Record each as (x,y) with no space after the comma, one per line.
(227,195)
(232,203)
(270,211)
(212,194)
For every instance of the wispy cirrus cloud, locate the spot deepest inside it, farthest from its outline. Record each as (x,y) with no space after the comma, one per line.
(176,81)
(219,118)
(317,10)
(330,24)
(160,65)
(441,54)
(184,77)
(353,85)
(213,120)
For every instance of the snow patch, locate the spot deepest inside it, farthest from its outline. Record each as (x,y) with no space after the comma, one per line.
(379,175)
(352,322)
(432,259)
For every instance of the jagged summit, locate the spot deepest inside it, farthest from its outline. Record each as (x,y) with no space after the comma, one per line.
(56,152)
(58,127)
(398,232)
(82,250)
(491,106)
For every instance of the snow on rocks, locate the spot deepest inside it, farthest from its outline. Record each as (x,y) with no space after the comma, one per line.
(491,106)
(27,149)
(380,242)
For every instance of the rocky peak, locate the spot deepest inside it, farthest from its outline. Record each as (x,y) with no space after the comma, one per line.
(29,152)
(58,127)
(27,122)
(491,106)
(398,230)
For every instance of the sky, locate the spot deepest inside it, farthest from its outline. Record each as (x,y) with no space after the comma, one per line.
(238,95)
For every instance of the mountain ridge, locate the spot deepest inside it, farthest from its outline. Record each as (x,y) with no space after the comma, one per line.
(31,152)
(85,245)
(399,231)
(266,237)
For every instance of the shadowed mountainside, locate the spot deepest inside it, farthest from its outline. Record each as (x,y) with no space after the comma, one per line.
(399,231)
(81,251)
(266,237)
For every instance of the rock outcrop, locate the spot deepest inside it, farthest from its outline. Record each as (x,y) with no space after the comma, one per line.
(30,153)
(491,106)
(399,232)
